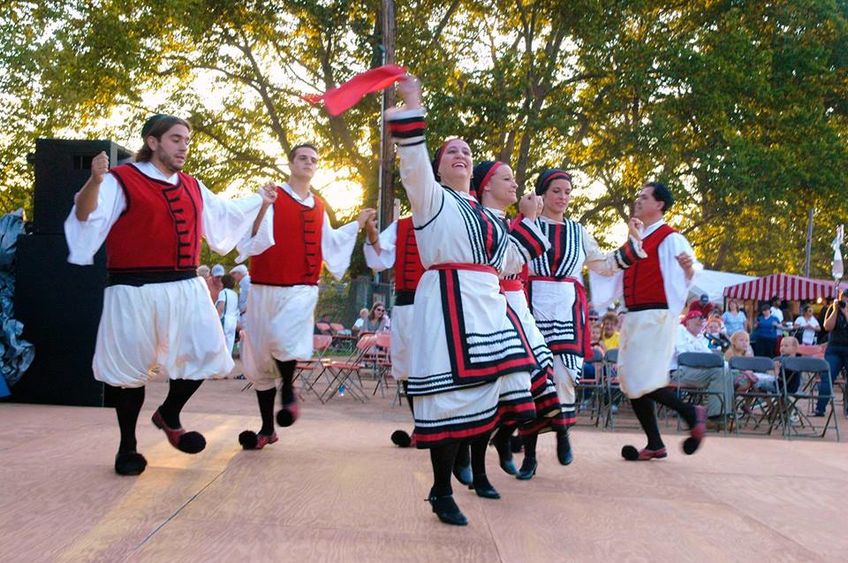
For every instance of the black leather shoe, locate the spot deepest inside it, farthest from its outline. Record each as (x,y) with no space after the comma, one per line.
(446,509)
(564,454)
(528,469)
(486,491)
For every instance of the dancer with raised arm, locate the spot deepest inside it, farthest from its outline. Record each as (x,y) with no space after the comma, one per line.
(290,241)
(558,301)
(655,292)
(157,316)
(470,357)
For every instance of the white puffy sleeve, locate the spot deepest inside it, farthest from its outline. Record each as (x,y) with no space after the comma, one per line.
(85,238)
(252,245)
(225,222)
(608,263)
(386,258)
(337,246)
(416,173)
(674,279)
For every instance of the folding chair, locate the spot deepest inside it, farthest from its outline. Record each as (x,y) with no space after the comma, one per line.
(342,337)
(342,372)
(814,368)
(772,410)
(700,360)
(383,362)
(595,386)
(612,389)
(311,370)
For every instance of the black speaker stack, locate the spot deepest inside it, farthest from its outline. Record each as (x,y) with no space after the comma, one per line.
(58,302)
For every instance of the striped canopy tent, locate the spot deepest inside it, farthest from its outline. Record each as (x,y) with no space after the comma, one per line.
(784,286)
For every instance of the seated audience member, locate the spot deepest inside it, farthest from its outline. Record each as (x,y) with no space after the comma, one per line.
(716,339)
(360,322)
(378,319)
(764,333)
(609,331)
(808,326)
(717,379)
(740,345)
(789,347)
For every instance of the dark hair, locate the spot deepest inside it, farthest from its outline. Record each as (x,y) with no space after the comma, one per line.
(661,193)
(156,126)
(228,281)
(294,149)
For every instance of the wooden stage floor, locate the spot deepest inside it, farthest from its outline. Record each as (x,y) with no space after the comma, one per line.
(335,489)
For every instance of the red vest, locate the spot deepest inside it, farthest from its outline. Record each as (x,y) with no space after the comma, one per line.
(295,258)
(643,281)
(161,227)
(408,267)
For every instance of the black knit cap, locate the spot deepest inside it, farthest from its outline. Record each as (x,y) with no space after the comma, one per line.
(480,177)
(547,176)
(151,121)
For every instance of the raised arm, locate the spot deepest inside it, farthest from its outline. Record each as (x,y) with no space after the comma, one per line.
(608,263)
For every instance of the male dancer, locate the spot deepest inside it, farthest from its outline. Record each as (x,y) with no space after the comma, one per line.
(289,242)
(655,291)
(157,315)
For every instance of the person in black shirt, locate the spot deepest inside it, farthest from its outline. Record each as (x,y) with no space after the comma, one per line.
(836,354)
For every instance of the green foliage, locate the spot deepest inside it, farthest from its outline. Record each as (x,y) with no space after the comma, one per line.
(739,106)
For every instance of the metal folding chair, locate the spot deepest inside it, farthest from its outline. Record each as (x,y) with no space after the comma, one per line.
(594,386)
(700,360)
(310,371)
(814,369)
(383,362)
(612,390)
(342,372)
(771,402)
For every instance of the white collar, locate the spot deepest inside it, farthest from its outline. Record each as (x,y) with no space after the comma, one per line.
(149,169)
(652,227)
(309,201)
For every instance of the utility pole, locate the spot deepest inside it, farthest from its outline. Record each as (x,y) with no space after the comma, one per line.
(386,189)
(808,249)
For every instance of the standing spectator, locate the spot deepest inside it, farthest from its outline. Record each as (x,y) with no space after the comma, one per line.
(213,282)
(776,310)
(360,322)
(809,326)
(204,272)
(734,319)
(765,340)
(824,334)
(378,320)
(702,305)
(227,305)
(242,278)
(609,331)
(836,353)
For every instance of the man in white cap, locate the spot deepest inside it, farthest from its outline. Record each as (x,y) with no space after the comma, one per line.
(242,277)
(214,281)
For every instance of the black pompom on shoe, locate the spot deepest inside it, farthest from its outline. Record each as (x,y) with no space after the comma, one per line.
(248,439)
(630,453)
(192,443)
(130,463)
(401,439)
(690,445)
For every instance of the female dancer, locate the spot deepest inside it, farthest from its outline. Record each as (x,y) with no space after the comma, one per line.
(558,301)
(470,357)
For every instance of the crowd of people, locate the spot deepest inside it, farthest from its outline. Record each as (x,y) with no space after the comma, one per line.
(491,323)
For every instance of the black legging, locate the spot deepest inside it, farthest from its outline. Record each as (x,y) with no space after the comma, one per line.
(287,375)
(442,458)
(643,407)
(128,404)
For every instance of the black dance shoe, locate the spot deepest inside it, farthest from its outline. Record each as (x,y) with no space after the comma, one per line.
(130,463)
(462,471)
(564,454)
(485,490)
(505,456)
(446,509)
(528,469)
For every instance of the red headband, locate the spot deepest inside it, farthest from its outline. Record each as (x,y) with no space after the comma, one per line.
(486,179)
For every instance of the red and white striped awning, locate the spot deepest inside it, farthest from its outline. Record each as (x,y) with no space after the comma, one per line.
(784,286)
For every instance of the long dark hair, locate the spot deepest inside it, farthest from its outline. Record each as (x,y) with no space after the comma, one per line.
(159,127)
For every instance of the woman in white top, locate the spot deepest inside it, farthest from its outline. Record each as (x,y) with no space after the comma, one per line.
(228,311)
(809,324)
